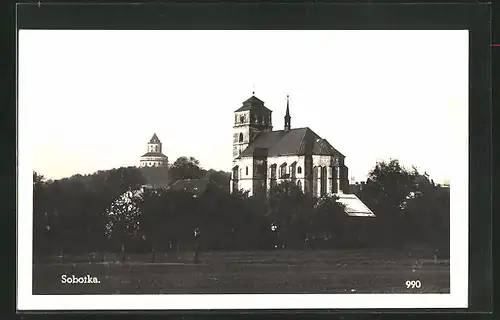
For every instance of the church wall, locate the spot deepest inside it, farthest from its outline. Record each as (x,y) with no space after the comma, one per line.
(327,181)
(323,161)
(246,185)
(278,161)
(245,181)
(301,183)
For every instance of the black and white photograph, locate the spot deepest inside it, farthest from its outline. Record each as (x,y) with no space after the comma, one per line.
(244,169)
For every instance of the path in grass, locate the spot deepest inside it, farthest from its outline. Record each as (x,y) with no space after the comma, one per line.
(339,271)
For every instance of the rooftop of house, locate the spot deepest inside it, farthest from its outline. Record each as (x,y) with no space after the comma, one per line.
(354,207)
(194,185)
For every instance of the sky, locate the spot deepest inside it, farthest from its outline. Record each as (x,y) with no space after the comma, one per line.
(91,100)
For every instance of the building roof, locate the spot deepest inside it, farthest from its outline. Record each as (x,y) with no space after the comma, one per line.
(154,154)
(354,207)
(193,185)
(154,139)
(299,141)
(252,103)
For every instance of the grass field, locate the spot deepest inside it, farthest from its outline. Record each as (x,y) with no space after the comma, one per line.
(334,271)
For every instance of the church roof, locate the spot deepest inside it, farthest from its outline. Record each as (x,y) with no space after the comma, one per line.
(154,154)
(154,139)
(299,141)
(252,103)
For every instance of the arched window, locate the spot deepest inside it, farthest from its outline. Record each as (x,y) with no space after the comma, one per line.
(242,118)
(241,137)
(299,170)
(299,184)
(246,171)
(282,170)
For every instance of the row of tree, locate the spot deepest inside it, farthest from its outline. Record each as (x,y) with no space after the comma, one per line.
(107,211)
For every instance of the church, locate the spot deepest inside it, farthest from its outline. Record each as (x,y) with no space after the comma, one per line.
(263,157)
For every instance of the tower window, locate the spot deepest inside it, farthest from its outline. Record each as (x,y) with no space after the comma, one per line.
(241,137)
(299,184)
(242,118)
(246,171)
(299,170)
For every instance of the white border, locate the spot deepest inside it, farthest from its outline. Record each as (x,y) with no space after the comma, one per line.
(459,248)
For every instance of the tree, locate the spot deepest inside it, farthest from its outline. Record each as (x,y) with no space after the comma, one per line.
(388,185)
(327,223)
(287,208)
(185,168)
(428,216)
(220,177)
(153,217)
(123,219)
(411,210)
(41,226)
(386,191)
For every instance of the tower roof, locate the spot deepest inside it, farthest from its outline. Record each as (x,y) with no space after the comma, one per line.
(154,139)
(287,106)
(252,103)
(287,115)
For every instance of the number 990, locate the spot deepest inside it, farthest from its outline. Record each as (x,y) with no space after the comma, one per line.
(413,284)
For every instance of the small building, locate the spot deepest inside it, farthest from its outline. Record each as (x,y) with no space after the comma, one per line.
(195,186)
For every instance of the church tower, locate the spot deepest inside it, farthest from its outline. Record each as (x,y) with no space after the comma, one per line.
(249,120)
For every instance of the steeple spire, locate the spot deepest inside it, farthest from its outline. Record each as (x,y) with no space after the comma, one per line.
(287,115)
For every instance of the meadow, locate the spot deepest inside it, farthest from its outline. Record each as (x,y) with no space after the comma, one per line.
(274,271)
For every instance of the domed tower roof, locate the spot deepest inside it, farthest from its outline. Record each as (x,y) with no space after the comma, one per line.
(154,139)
